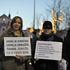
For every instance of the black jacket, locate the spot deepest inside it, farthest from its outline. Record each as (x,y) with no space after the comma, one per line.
(48,64)
(50,37)
(66,45)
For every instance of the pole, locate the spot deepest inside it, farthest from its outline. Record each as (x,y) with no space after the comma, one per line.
(34,16)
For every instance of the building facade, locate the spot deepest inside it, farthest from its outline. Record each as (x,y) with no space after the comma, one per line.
(4,22)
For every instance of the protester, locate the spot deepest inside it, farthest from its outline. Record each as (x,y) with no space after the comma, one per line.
(33,44)
(66,49)
(47,35)
(13,62)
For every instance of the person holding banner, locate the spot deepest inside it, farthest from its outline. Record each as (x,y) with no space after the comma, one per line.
(47,35)
(11,62)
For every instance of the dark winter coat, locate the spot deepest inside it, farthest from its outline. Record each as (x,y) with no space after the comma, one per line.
(66,45)
(48,64)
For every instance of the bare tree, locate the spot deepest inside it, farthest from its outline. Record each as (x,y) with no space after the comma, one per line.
(67,12)
(57,14)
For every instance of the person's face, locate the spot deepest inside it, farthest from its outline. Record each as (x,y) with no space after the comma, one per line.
(47,31)
(17,24)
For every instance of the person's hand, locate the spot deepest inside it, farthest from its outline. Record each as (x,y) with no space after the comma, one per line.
(19,57)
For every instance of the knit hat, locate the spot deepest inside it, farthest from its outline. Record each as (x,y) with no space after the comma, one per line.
(47,25)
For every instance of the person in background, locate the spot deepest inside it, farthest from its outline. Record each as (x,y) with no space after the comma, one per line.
(33,38)
(11,62)
(47,35)
(66,49)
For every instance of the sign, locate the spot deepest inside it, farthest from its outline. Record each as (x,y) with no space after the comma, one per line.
(48,50)
(17,46)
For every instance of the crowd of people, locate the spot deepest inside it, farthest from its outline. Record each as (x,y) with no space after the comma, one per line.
(22,62)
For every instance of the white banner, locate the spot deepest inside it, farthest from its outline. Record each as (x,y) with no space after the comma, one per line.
(48,50)
(17,46)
